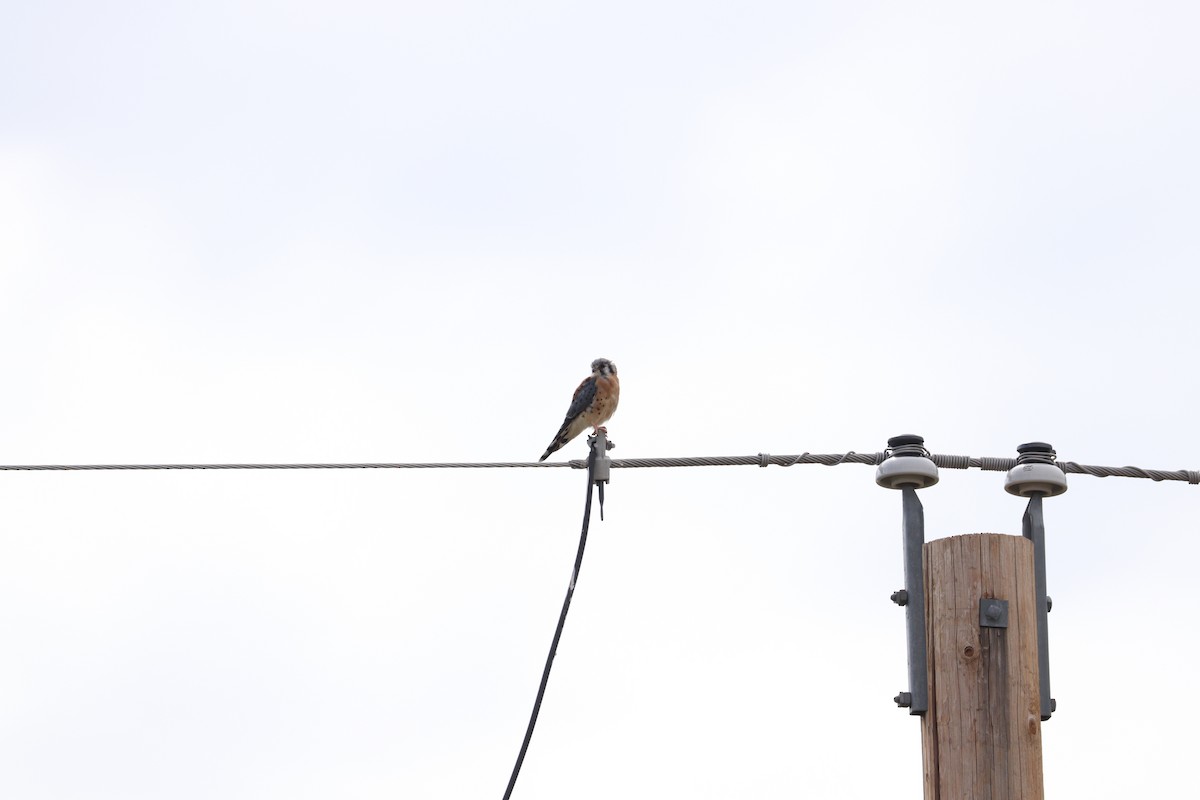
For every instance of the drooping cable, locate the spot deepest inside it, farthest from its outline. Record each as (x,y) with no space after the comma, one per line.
(562,618)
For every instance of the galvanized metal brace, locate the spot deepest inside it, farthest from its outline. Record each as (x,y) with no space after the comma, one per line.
(1033,527)
(914,605)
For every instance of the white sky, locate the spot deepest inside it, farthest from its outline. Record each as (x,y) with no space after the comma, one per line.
(269,231)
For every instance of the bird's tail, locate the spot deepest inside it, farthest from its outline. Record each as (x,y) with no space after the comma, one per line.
(560,438)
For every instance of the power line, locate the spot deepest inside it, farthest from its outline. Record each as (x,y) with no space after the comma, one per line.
(760,460)
(381,465)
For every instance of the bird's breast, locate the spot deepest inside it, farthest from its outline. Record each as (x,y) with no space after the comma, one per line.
(608,392)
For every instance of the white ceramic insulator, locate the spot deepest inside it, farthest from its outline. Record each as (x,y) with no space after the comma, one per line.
(900,471)
(1026,479)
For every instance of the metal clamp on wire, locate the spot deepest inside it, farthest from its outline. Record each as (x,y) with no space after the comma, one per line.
(601,464)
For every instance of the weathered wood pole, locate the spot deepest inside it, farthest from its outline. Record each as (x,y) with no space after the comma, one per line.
(981,738)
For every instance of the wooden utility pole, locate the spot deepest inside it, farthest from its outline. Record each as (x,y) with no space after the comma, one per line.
(976,628)
(981,736)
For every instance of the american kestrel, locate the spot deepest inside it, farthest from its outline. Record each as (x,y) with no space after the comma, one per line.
(593,404)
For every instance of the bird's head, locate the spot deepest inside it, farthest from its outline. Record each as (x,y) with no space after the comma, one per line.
(602,366)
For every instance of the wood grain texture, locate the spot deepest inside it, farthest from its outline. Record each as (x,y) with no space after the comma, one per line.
(929,746)
(981,739)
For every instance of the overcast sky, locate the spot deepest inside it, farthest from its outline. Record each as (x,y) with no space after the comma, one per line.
(305,231)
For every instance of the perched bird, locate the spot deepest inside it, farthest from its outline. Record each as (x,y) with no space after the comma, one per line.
(593,404)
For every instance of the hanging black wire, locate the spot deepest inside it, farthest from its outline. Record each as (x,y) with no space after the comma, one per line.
(562,618)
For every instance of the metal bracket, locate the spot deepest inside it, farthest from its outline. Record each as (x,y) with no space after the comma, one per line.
(914,605)
(993,613)
(1033,527)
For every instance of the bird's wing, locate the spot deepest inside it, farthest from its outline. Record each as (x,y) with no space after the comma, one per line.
(582,398)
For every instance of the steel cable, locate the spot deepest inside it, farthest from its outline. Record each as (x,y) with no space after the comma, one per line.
(759,460)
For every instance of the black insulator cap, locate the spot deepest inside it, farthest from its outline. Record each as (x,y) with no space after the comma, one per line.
(907,438)
(1036,453)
